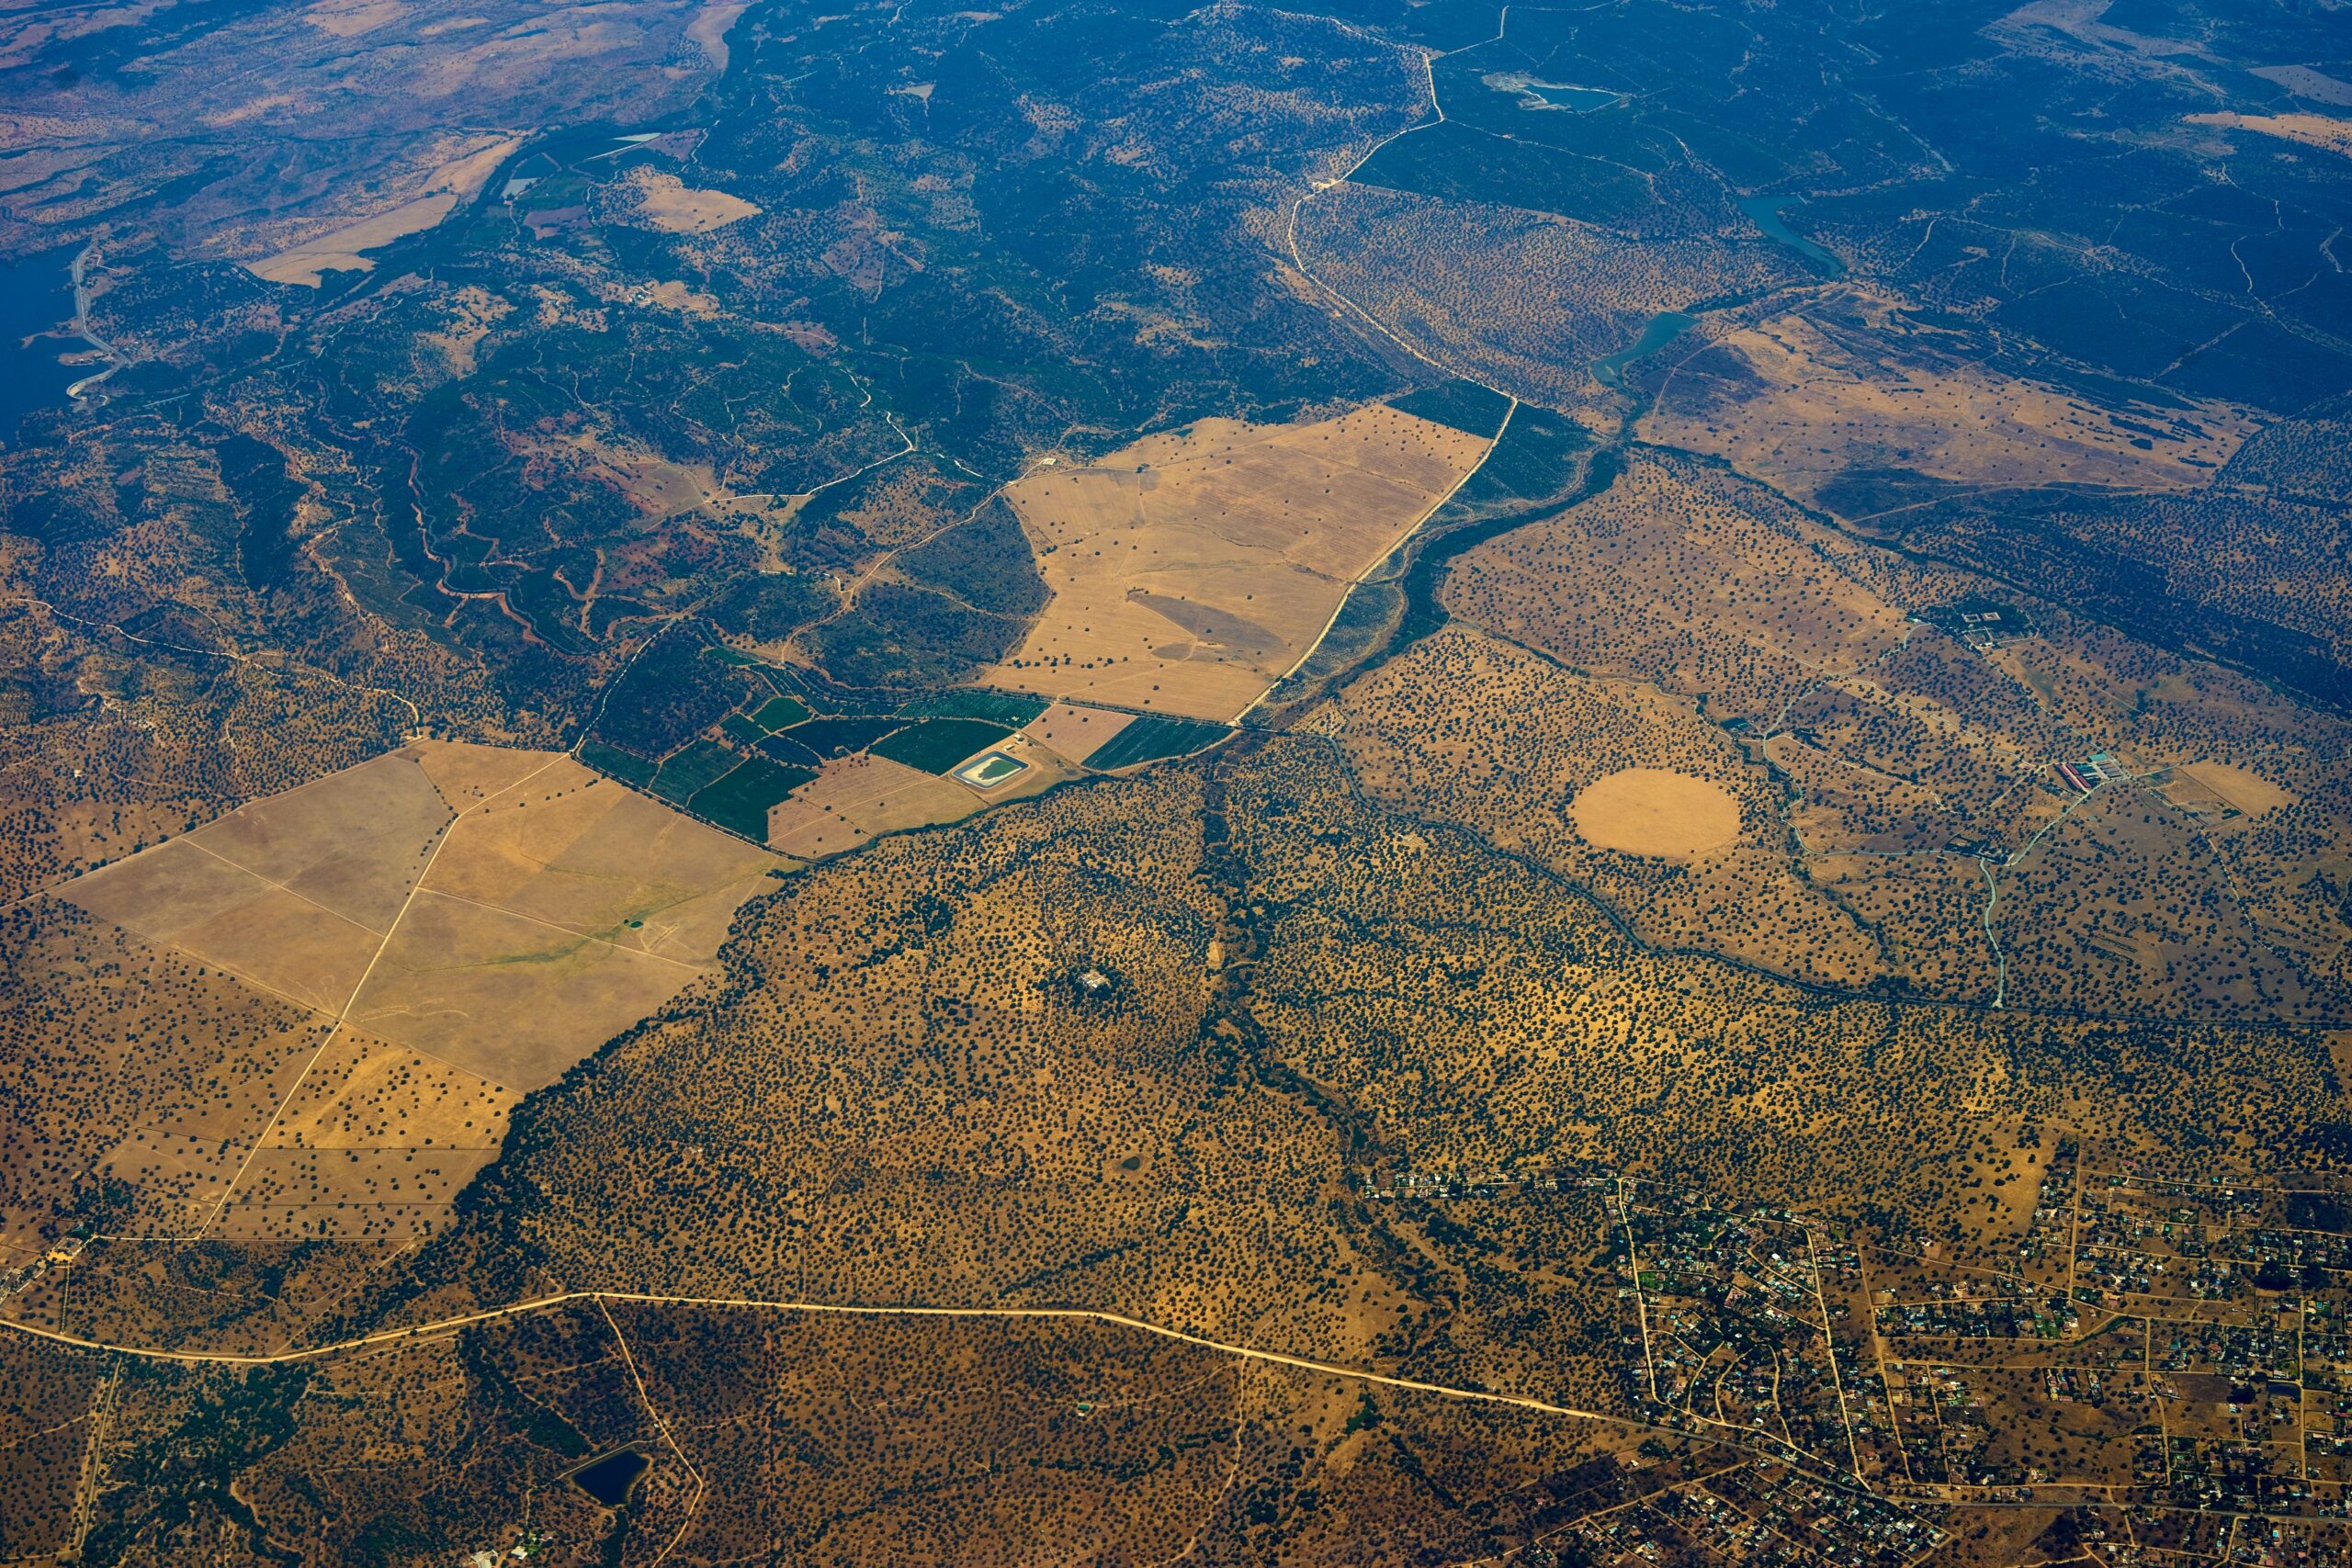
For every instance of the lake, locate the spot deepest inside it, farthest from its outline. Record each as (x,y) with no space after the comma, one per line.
(1661,330)
(611,1479)
(35,298)
(1764,211)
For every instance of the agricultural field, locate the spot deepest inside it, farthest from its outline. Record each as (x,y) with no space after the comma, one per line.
(1189,572)
(340,995)
(772,756)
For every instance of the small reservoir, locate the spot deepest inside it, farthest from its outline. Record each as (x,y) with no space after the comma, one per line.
(1661,330)
(611,1479)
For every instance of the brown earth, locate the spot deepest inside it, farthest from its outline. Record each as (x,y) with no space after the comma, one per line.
(669,204)
(1654,811)
(1192,570)
(374,965)
(339,250)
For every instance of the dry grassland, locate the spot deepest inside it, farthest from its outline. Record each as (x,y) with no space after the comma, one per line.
(2243,788)
(1800,396)
(669,204)
(49,1394)
(1520,299)
(1469,730)
(1917,771)
(907,1095)
(709,29)
(506,996)
(648,482)
(339,250)
(2311,129)
(1687,576)
(370,1094)
(352,981)
(673,294)
(349,18)
(1191,570)
(1656,812)
(473,311)
(606,864)
(855,800)
(114,1050)
(926,1104)
(1076,732)
(294,892)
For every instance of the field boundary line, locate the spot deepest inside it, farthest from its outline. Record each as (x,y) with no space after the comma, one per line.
(1406,537)
(54,888)
(342,1014)
(568,931)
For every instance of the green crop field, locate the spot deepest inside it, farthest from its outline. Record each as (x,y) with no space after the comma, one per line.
(938,744)
(1012,709)
(697,765)
(1149,739)
(781,713)
(739,801)
(625,766)
(829,737)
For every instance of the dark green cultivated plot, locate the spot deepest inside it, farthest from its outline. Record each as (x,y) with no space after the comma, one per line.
(1150,739)
(625,766)
(781,713)
(1458,405)
(739,802)
(1012,709)
(695,767)
(829,737)
(938,744)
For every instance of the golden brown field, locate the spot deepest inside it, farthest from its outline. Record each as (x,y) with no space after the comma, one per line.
(1656,812)
(2312,129)
(857,798)
(339,249)
(669,204)
(341,991)
(1192,570)
(1076,731)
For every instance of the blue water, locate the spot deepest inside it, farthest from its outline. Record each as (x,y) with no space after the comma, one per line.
(35,296)
(1662,329)
(611,1479)
(1764,211)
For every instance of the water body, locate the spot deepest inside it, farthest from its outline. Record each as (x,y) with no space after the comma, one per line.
(1662,329)
(35,300)
(611,1479)
(1764,211)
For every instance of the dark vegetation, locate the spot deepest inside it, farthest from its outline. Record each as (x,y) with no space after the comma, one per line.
(1151,737)
(935,745)
(1463,405)
(738,800)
